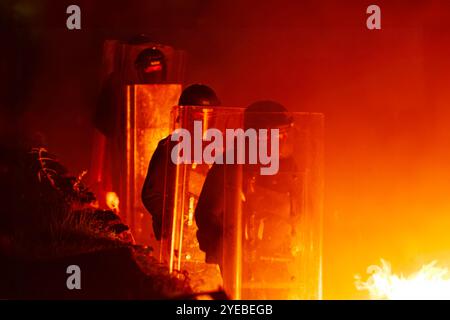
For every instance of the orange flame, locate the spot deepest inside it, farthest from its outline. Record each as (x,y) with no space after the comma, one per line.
(430,282)
(112,201)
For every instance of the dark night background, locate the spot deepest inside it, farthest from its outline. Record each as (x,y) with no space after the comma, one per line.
(384,94)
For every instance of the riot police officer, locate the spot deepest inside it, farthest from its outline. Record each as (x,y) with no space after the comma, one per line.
(261,242)
(157,192)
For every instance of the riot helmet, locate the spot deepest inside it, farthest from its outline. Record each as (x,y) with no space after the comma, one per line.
(151,66)
(199,95)
(267,114)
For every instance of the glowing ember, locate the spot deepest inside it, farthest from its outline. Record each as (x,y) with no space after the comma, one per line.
(430,282)
(112,201)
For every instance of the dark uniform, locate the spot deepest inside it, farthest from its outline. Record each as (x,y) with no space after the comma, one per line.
(268,200)
(156,193)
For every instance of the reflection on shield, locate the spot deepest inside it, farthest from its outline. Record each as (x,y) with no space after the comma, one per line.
(272,223)
(146,122)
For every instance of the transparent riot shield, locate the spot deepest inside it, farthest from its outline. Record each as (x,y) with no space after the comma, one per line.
(184,182)
(147,121)
(270,243)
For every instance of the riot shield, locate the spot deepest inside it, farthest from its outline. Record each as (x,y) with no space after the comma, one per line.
(179,245)
(120,70)
(270,243)
(147,121)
